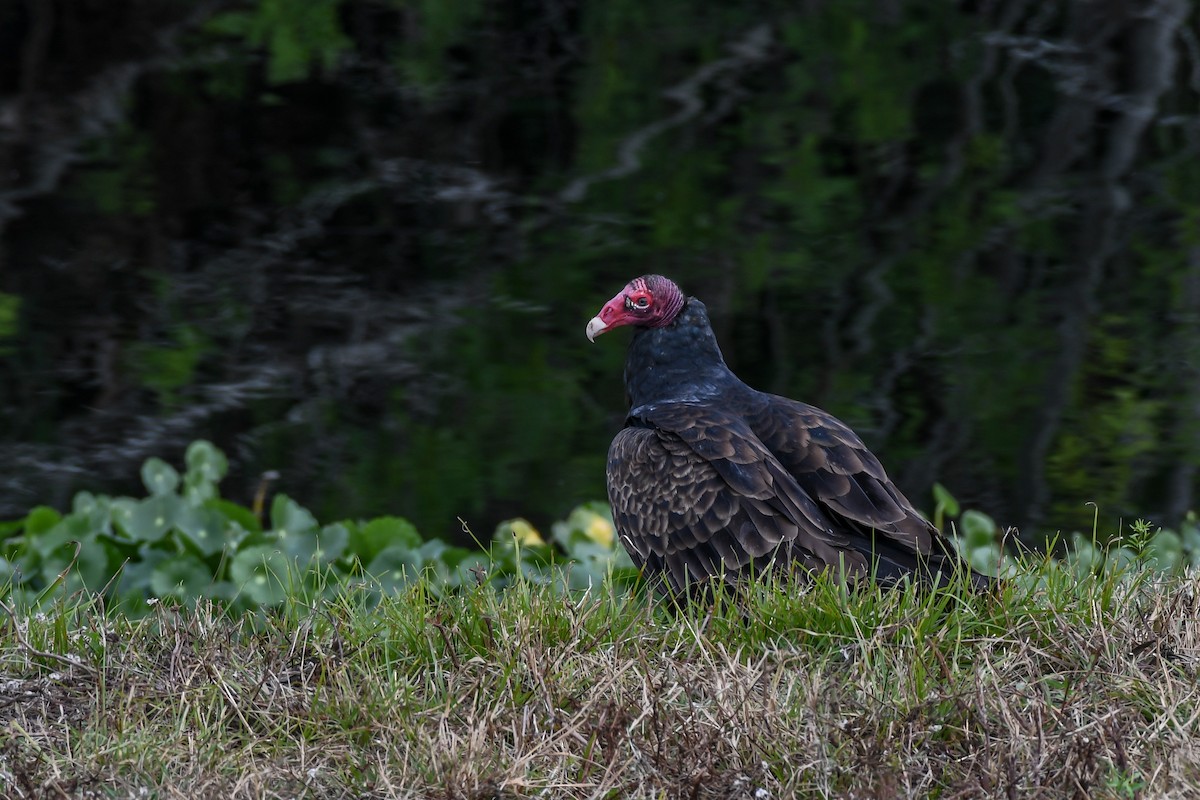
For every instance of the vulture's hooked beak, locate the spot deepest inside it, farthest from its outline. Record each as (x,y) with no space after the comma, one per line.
(595,327)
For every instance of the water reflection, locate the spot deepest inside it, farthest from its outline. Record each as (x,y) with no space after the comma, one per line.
(357,245)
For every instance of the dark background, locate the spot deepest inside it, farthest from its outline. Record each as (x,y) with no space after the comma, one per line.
(357,241)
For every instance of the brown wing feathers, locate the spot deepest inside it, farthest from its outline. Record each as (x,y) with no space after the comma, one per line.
(833,465)
(697,493)
(694,488)
(836,468)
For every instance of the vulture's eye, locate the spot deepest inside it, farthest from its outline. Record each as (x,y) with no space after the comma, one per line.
(642,301)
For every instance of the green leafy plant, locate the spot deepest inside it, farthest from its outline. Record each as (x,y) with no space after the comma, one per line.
(185,544)
(1143,549)
(182,542)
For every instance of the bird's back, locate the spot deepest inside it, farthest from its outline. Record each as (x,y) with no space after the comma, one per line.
(769,469)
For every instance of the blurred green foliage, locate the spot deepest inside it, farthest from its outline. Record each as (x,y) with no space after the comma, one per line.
(1140,549)
(296,34)
(182,542)
(871,198)
(10,310)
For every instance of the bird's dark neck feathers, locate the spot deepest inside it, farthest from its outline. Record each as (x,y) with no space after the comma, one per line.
(677,363)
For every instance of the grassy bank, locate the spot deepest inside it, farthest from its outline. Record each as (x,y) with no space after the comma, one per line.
(1082,689)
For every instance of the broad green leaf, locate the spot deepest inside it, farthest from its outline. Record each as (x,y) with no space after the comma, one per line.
(331,543)
(204,527)
(136,575)
(71,528)
(84,503)
(197,492)
(206,466)
(183,576)
(985,559)
(261,572)
(159,477)
(978,529)
(592,521)
(580,547)
(586,576)
(1192,547)
(96,509)
(1165,551)
(433,563)
(122,510)
(289,518)
(452,556)
(381,533)
(1191,537)
(298,547)
(395,567)
(432,550)
(224,591)
(239,514)
(41,519)
(205,461)
(943,498)
(473,569)
(236,536)
(90,570)
(518,530)
(152,518)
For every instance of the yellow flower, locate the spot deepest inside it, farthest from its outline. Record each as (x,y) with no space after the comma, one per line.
(600,530)
(525,534)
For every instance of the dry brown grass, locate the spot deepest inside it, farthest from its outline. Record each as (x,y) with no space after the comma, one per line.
(1076,692)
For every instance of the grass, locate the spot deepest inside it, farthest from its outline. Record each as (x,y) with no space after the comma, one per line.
(1082,689)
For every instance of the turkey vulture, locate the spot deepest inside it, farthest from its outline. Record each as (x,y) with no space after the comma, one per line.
(710,478)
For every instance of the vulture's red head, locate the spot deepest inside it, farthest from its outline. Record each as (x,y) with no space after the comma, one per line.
(650,301)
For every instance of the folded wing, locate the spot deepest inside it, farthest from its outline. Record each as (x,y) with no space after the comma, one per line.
(696,494)
(699,491)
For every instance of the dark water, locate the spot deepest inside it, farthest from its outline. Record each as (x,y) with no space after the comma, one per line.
(357,242)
